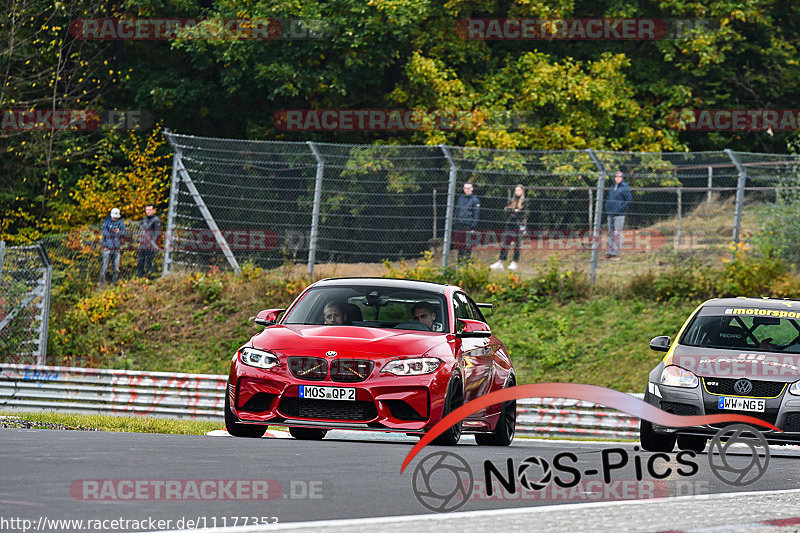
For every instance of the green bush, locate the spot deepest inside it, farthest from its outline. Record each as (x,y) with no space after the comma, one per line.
(746,275)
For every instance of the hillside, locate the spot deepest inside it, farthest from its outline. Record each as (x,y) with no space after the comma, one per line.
(555,325)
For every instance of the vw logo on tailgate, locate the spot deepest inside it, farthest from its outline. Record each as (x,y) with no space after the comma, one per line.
(743,387)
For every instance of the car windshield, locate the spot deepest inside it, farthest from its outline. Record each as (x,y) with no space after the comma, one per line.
(371,306)
(764,330)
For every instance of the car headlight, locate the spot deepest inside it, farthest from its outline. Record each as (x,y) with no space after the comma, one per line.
(675,376)
(259,358)
(415,366)
(794,388)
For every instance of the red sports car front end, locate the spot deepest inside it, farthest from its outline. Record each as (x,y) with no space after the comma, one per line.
(360,369)
(373,354)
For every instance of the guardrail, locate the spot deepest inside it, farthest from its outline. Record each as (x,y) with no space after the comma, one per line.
(114,392)
(201,397)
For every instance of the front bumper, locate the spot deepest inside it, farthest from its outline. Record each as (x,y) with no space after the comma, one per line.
(783,411)
(384,402)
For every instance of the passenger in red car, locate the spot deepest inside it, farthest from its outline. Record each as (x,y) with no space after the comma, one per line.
(333,314)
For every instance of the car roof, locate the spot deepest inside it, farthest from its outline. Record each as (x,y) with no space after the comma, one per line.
(409,284)
(754,303)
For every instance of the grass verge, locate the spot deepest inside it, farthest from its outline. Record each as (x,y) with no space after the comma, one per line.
(126,424)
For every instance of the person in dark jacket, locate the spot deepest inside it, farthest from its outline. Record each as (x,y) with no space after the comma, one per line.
(148,241)
(516,223)
(617,201)
(465,221)
(113,231)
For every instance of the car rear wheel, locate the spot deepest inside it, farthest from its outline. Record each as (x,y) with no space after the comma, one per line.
(654,442)
(308,433)
(250,431)
(503,433)
(453,400)
(692,443)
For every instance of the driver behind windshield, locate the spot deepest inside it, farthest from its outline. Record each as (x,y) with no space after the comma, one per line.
(425,313)
(333,314)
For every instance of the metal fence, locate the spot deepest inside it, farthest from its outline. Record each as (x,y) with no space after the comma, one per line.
(114,392)
(201,397)
(233,201)
(25,279)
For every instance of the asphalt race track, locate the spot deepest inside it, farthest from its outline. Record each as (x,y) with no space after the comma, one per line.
(45,475)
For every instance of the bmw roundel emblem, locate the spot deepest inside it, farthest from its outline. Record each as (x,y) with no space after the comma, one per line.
(743,386)
(331,353)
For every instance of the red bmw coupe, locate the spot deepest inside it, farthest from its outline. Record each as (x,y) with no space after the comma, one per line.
(371,354)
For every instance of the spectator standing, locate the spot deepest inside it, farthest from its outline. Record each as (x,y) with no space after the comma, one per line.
(467,212)
(516,223)
(617,202)
(113,231)
(148,241)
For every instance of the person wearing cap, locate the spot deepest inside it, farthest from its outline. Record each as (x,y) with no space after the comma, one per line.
(113,231)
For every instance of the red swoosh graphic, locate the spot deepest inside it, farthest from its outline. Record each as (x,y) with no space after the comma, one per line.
(590,393)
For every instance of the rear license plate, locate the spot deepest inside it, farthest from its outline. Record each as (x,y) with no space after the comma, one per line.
(314,392)
(742,404)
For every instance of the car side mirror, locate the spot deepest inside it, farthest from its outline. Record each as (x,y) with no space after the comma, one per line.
(473,329)
(268,317)
(660,343)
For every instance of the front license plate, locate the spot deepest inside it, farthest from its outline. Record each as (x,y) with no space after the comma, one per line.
(742,404)
(314,392)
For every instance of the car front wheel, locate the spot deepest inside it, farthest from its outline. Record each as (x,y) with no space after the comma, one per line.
(453,400)
(654,442)
(250,431)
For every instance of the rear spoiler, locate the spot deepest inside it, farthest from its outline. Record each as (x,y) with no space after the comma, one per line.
(484,305)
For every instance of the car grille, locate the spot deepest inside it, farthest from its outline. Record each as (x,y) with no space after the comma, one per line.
(402,411)
(792,422)
(350,370)
(761,389)
(310,368)
(328,409)
(683,409)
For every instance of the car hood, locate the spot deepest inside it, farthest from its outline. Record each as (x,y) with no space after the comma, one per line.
(345,340)
(736,363)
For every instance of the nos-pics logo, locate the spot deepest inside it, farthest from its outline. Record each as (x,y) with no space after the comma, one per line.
(444,482)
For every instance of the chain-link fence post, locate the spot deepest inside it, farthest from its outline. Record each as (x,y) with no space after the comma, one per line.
(312,241)
(2,255)
(169,234)
(598,214)
(44,322)
(679,215)
(737,219)
(710,184)
(451,194)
